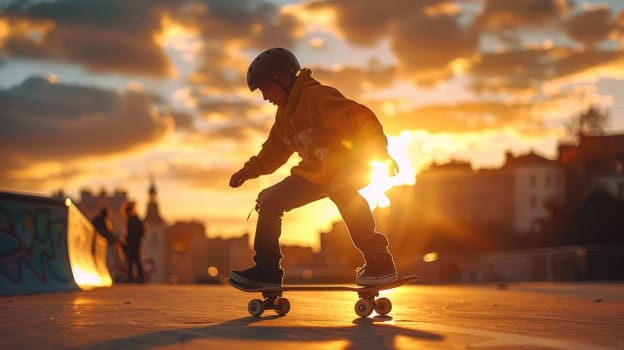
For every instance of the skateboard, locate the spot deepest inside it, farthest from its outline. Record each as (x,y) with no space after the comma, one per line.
(366,304)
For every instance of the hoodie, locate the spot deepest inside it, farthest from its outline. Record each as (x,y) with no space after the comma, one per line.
(328,131)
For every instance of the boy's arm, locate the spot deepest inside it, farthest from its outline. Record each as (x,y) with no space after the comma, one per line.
(368,132)
(274,153)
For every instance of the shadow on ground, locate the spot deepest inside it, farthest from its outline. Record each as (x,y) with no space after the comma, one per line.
(365,333)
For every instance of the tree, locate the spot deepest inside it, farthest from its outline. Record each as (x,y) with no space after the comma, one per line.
(590,122)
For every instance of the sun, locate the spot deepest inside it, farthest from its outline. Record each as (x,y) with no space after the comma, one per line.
(382,180)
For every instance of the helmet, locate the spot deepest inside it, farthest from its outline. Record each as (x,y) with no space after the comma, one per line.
(271,64)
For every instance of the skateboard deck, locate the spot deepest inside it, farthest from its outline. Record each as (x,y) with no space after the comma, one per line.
(367,302)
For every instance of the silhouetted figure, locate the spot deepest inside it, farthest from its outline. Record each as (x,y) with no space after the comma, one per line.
(103,224)
(336,139)
(135,231)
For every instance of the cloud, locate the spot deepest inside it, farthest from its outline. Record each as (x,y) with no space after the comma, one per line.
(220,71)
(120,36)
(183,121)
(238,132)
(51,122)
(591,26)
(227,29)
(201,176)
(434,41)
(104,36)
(353,81)
(426,57)
(525,70)
(425,36)
(234,120)
(360,22)
(505,15)
(225,109)
(460,117)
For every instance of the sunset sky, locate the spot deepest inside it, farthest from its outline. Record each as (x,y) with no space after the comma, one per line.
(107,93)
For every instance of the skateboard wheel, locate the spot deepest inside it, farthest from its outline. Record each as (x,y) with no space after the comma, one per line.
(383,306)
(364,307)
(255,307)
(282,306)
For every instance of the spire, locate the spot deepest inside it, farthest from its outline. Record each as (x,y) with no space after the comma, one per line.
(153,212)
(152,189)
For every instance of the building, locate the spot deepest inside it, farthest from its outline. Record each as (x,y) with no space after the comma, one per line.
(299,263)
(181,238)
(154,249)
(194,258)
(91,203)
(454,192)
(596,162)
(535,182)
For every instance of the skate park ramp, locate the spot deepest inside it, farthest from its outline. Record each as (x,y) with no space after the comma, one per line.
(47,245)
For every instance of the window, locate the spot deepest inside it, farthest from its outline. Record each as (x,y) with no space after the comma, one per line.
(532,180)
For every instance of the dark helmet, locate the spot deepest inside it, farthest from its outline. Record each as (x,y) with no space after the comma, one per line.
(271,64)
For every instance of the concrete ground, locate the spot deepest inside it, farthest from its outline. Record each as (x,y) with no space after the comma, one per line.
(515,316)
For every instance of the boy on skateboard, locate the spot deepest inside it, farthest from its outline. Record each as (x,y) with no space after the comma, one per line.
(336,138)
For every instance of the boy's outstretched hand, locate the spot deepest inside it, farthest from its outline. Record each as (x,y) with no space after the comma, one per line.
(238,178)
(393,167)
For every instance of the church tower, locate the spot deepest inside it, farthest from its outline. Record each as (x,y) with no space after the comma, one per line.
(154,255)
(153,212)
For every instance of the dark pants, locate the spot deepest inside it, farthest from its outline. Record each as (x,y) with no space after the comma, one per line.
(294,192)
(134,258)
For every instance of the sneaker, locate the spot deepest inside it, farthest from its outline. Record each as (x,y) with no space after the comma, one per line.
(258,277)
(378,269)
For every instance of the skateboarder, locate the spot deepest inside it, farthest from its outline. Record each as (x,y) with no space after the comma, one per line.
(336,138)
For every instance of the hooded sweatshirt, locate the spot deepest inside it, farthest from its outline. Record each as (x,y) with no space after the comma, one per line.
(329,132)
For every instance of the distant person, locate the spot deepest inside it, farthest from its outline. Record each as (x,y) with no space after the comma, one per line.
(103,227)
(336,138)
(135,231)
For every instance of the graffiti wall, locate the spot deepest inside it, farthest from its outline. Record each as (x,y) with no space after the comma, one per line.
(46,245)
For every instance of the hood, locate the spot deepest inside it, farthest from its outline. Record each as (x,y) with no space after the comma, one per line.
(304,80)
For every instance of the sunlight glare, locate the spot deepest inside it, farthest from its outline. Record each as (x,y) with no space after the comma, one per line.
(381,181)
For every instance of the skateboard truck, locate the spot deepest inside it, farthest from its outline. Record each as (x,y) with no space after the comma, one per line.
(272,301)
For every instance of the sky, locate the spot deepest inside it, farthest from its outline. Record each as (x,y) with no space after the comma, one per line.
(108,94)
